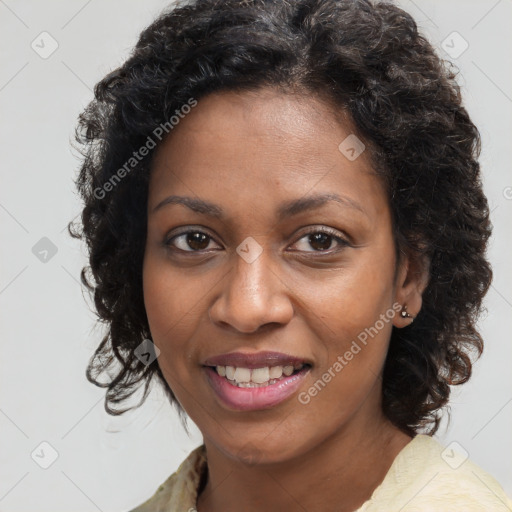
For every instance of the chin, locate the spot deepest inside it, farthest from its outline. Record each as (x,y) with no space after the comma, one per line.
(255,452)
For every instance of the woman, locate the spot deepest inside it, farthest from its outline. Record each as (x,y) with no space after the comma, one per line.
(286,226)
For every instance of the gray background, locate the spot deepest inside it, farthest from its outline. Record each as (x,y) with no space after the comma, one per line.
(47,328)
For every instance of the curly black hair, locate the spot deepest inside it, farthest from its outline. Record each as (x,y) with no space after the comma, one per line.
(367,59)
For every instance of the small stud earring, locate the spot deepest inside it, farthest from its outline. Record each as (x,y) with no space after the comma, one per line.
(405,314)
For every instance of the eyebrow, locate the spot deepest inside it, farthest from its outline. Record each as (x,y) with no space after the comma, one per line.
(287,209)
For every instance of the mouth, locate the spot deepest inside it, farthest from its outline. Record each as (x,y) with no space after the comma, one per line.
(255,381)
(258,377)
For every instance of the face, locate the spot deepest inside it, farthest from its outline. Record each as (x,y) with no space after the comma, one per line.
(268,248)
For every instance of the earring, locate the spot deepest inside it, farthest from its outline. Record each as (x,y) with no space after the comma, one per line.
(405,314)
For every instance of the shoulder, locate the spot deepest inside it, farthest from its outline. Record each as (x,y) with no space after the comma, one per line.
(179,491)
(426,476)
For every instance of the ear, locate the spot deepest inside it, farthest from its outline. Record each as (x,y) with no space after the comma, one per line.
(411,280)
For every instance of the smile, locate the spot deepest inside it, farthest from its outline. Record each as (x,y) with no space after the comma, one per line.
(248,389)
(257,377)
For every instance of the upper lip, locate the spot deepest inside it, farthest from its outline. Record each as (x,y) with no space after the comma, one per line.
(254,360)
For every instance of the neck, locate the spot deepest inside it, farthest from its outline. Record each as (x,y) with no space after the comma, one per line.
(338,474)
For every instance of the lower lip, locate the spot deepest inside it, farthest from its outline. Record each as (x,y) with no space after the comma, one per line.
(252,399)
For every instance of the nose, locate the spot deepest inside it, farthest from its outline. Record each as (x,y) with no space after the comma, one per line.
(253,296)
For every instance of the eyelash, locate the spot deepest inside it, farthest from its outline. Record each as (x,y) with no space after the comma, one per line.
(313,230)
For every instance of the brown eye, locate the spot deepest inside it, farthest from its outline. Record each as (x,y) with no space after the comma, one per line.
(190,241)
(321,240)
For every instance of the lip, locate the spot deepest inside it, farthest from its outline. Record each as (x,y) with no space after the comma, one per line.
(252,399)
(255,360)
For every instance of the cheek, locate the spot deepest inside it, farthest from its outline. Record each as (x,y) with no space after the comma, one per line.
(355,342)
(356,297)
(356,312)
(173,310)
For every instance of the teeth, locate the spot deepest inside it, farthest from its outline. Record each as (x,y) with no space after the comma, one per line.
(242,375)
(288,370)
(276,372)
(230,372)
(259,375)
(247,378)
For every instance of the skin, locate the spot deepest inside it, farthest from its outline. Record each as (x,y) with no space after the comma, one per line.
(248,153)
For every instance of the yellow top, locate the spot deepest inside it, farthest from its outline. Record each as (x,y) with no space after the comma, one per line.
(425,476)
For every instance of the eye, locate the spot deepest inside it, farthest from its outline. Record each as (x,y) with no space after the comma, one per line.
(321,240)
(190,241)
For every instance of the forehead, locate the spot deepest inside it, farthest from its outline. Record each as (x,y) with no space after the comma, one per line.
(261,147)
